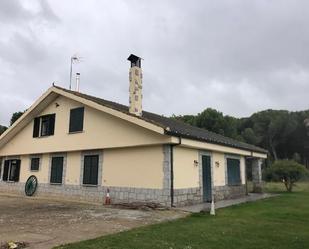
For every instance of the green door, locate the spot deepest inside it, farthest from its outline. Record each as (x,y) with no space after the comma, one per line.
(206,174)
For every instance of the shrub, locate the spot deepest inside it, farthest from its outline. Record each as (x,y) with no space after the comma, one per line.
(286,171)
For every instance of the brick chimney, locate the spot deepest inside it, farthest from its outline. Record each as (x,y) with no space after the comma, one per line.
(135,89)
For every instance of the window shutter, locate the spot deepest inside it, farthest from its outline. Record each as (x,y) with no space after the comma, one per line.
(87,166)
(35,163)
(51,125)
(36,127)
(94,170)
(233,171)
(56,170)
(17,171)
(91,165)
(76,119)
(53,173)
(6,170)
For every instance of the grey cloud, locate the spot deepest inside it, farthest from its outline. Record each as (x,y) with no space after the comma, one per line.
(236,56)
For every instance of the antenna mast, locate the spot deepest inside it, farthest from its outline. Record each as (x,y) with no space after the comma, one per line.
(74,59)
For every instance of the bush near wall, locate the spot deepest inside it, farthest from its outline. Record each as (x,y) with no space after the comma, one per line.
(286,171)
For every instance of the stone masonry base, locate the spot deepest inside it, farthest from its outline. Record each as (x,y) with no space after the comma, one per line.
(182,197)
(187,196)
(92,193)
(229,192)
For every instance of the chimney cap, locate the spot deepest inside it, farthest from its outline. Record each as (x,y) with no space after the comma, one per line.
(134,58)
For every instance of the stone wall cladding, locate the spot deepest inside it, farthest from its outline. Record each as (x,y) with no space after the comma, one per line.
(182,197)
(187,196)
(229,192)
(93,193)
(167,167)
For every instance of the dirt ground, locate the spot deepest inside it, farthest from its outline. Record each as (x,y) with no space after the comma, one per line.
(46,223)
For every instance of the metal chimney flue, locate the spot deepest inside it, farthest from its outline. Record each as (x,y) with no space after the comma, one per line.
(77,81)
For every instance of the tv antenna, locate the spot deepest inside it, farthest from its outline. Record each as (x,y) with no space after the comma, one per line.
(74,59)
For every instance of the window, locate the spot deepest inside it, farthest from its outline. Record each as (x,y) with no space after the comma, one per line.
(35,164)
(233,171)
(76,119)
(91,168)
(44,126)
(11,170)
(56,171)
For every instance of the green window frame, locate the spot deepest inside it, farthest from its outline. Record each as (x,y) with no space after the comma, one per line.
(11,170)
(44,126)
(76,120)
(35,164)
(56,171)
(91,170)
(233,171)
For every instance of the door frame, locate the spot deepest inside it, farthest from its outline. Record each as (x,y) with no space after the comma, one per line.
(201,154)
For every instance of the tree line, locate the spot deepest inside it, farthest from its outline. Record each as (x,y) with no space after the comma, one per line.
(284,134)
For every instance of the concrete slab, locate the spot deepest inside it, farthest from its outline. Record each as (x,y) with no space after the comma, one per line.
(226,203)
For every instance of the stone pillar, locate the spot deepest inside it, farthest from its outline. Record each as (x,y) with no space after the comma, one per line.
(257,175)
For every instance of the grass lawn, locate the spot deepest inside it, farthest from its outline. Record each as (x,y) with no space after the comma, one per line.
(280,222)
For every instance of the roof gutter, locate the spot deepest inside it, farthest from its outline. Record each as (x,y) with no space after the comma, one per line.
(172,170)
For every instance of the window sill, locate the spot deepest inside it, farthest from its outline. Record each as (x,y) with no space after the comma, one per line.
(43,136)
(10,181)
(234,185)
(34,170)
(75,132)
(55,183)
(90,185)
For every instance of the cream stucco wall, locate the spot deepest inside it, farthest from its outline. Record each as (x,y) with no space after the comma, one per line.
(140,167)
(41,174)
(101,130)
(186,175)
(73,166)
(218,164)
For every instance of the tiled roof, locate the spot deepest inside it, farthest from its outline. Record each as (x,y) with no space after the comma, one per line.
(172,126)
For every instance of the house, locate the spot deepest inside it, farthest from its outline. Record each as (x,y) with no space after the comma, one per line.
(78,146)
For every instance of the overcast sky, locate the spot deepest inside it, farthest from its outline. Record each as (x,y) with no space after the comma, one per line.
(235,56)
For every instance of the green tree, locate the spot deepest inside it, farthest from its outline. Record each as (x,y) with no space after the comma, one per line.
(15,116)
(249,136)
(283,133)
(273,129)
(212,120)
(189,119)
(2,129)
(286,171)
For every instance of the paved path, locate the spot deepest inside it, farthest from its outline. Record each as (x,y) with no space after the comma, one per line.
(226,203)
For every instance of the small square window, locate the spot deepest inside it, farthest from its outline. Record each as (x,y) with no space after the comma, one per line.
(35,164)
